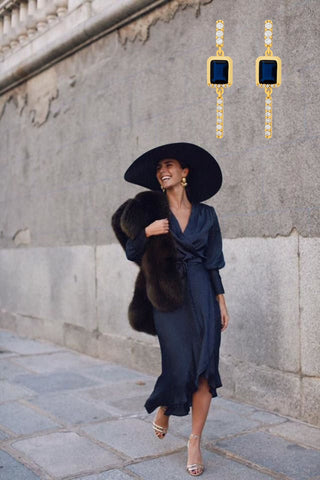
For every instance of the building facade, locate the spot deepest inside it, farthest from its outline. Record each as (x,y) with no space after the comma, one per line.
(86,87)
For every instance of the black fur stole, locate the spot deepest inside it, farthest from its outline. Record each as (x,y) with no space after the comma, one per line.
(158,282)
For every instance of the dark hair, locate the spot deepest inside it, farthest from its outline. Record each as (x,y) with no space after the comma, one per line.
(182,163)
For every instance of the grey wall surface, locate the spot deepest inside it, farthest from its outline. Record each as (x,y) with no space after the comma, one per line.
(69,133)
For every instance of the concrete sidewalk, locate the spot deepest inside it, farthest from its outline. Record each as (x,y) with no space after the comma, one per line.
(64,415)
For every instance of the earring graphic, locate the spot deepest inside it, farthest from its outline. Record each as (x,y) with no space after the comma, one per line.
(219,75)
(268,75)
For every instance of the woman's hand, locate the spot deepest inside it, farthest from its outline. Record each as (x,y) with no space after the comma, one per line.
(159,227)
(224,312)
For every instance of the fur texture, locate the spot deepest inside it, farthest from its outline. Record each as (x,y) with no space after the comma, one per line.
(158,283)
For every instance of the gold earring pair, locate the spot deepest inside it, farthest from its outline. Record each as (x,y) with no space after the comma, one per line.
(220,75)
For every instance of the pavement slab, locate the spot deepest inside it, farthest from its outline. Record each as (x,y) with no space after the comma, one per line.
(66,416)
(110,475)
(274,453)
(13,470)
(221,423)
(54,381)
(11,391)
(24,345)
(9,369)
(113,394)
(66,453)
(299,432)
(61,360)
(115,373)
(71,408)
(217,467)
(22,420)
(119,434)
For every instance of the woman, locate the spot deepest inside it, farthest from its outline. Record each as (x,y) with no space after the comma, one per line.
(189,335)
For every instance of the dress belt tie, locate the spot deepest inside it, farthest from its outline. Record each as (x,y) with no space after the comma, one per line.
(182,265)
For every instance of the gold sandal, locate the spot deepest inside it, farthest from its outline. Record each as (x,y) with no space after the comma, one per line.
(160,431)
(197,468)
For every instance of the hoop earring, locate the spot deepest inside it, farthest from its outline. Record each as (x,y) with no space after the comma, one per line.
(184,182)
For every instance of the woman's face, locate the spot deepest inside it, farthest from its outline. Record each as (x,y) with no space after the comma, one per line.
(170,172)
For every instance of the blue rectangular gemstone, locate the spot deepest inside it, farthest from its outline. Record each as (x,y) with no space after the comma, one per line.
(219,70)
(268,71)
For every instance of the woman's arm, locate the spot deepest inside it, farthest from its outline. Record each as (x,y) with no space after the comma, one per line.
(135,247)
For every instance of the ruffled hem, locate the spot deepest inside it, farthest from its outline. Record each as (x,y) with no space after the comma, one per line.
(179,409)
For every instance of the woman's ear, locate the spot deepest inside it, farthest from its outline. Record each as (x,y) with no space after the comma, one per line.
(185,172)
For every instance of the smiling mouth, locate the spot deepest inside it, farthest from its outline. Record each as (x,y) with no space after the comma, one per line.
(165,178)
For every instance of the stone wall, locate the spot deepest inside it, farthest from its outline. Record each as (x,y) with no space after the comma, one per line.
(69,130)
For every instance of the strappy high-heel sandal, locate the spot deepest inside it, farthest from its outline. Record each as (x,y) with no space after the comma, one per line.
(160,431)
(195,469)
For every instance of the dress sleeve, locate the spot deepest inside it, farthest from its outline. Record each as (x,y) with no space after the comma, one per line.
(135,247)
(214,254)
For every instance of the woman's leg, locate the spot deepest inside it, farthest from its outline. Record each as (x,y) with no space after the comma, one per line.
(200,406)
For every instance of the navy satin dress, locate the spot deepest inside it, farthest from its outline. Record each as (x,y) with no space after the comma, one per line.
(189,336)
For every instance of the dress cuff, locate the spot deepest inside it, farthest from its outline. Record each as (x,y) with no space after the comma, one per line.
(216,281)
(136,247)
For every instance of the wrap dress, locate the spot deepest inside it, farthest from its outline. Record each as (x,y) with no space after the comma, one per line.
(189,336)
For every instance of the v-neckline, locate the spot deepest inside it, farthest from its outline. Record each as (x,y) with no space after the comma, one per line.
(184,231)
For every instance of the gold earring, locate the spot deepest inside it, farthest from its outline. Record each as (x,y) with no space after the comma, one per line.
(268,75)
(163,189)
(219,75)
(184,182)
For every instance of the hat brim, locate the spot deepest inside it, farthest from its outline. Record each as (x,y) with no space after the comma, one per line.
(204,178)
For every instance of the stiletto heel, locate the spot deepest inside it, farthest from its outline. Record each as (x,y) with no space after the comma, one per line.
(160,431)
(195,469)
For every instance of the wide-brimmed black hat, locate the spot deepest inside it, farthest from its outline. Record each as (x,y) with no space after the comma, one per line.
(204,178)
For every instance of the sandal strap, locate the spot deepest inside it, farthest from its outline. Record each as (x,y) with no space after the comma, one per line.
(158,428)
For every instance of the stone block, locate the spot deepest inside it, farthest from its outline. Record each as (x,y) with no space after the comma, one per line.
(221,423)
(11,469)
(298,432)
(22,420)
(132,353)
(71,408)
(264,315)
(121,397)
(216,467)
(56,284)
(25,346)
(66,453)
(276,454)
(9,370)
(113,373)
(310,405)
(268,388)
(310,305)
(118,434)
(9,391)
(110,475)
(80,339)
(59,361)
(55,382)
